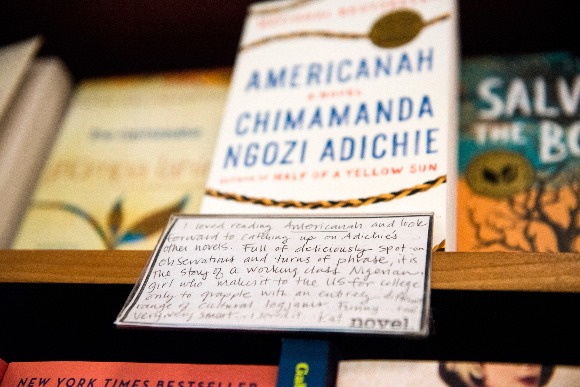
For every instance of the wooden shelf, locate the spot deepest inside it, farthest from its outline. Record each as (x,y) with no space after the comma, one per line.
(546,272)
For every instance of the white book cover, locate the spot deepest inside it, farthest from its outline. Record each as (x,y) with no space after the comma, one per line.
(342,106)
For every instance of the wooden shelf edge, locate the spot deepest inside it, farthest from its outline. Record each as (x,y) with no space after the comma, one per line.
(72,266)
(507,271)
(501,271)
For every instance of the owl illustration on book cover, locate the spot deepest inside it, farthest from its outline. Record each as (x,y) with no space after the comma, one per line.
(519,149)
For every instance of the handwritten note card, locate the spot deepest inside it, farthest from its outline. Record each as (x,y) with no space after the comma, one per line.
(364,273)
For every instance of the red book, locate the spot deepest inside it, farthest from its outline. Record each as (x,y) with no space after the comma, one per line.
(119,374)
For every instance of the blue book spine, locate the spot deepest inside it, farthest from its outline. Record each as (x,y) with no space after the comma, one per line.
(306,363)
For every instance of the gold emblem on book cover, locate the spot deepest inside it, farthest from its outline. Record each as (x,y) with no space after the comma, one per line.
(391,30)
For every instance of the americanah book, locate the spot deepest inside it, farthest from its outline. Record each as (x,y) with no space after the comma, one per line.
(342,106)
(519,165)
(131,151)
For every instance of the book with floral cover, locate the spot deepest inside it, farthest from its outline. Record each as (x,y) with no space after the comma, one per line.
(131,151)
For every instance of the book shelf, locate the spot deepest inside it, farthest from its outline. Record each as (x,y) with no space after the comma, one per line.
(60,305)
(539,272)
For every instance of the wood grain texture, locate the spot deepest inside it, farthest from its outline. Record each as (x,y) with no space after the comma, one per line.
(72,266)
(547,272)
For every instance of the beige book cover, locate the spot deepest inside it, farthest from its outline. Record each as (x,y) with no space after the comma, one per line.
(131,151)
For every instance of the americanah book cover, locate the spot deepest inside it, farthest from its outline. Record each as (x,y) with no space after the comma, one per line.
(519,166)
(340,106)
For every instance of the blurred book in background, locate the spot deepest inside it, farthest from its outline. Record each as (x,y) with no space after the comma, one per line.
(519,153)
(131,151)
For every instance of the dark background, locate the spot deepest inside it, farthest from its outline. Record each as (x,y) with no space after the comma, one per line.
(75,322)
(105,37)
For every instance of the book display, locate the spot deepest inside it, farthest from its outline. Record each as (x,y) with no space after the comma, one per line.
(220,204)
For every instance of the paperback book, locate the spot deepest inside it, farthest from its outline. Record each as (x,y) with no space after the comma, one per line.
(519,165)
(131,151)
(341,106)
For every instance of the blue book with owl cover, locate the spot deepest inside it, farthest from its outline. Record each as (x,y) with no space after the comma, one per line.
(519,153)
